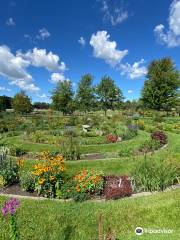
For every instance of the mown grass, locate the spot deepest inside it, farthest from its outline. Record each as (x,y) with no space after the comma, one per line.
(95,148)
(53,220)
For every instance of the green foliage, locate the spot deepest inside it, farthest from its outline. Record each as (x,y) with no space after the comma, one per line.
(125,152)
(85,97)
(22,103)
(9,170)
(153,175)
(17,150)
(5,103)
(109,95)
(160,88)
(62,97)
(149,146)
(27,181)
(70,148)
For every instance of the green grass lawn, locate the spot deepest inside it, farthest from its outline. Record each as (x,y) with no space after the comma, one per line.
(53,220)
(95,148)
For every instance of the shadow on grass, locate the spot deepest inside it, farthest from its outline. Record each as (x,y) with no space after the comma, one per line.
(69,232)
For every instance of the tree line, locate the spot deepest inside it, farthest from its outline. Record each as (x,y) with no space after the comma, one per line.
(160,92)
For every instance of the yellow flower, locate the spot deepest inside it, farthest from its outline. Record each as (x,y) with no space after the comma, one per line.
(20,162)
(62,168)
(52,178)
(41,181)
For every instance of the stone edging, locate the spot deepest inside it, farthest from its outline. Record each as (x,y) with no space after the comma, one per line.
(135,195)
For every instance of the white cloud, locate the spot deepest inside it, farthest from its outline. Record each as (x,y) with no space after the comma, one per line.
(57,77)
(130,91)
(171,37)
(105,49)
(5,89)
(13,68)
(133,71)
(82,41)
(10,22)
(114,11)
(43,34)
(42,58)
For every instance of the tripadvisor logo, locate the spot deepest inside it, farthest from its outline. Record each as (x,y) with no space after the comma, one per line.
(139,231)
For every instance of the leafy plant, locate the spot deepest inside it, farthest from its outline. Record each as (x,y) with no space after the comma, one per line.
(88,182)
(117,187)
(111,138)
(9,169)
(48,174)
(70,149)
(149,146)
(154,174)
(161,137)
(27,181)
(10,208)
(17,150)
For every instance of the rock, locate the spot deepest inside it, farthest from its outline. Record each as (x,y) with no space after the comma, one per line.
(119,139)
(86,128)
(99,132)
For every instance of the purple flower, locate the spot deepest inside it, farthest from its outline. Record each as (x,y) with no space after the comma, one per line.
(10,206)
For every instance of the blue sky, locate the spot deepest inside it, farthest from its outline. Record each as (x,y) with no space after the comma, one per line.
(42,42)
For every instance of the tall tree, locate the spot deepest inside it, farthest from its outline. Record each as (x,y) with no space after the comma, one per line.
(5,103)
(41,105)
(22,103)
(110,96)
(62,97)
(85,97)
(160,88)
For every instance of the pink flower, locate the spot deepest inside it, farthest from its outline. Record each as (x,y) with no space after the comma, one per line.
(10,206)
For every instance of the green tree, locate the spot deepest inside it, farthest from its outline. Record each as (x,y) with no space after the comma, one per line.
(109,95)
(85,96)
(5,103)
(62,97)
(22,103)
(160,88)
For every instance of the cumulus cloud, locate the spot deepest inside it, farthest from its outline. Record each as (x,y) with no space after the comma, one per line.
(43,34)
(82,41)
(10,22)
(105,49)
(14,66)
(133,71)
(57,77)
(42,58)
(114,11)
(171,36)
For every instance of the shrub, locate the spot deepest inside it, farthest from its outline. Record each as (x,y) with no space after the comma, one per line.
(38,137)
(49,174)
(89,182)
(68,190)
(9,169)
(159,136)
(17,150)
(149,146)
(131,132)
(70,149)
(3,127)
(140,124)
(111,138)
(27,181)
(117,187)
(154,174)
